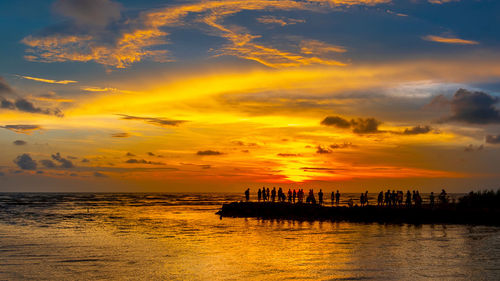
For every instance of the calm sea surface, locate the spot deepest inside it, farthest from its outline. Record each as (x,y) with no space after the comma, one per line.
(178,237)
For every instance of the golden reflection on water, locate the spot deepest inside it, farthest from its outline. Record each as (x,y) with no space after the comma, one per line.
(124,242)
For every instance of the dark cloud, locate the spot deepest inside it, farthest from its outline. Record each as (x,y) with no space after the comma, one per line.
(22,128)
(73,175)
(120,135)
(72,157)
(321,150)
(19,142)
(2,174)
(48,163)
(162,122)
(206,166)
(493,139)
(85,160)
(288,155)
(342,145)
(25,162)
(209,152)
(129,154)
(358,125)
(24,105)
(89,12)
(4,87)
(39,172)
(142,161)
(336,121)
(64,163)
(474,107)
(417,130)
(99,175)
(151,154)
(472,148)
(241,143)
(365,125)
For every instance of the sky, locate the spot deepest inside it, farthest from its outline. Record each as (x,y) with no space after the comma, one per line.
(190,96)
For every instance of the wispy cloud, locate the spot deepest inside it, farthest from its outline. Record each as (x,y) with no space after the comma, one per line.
(279,20)
(162,122)
(24,129)
(50,81)
(449,40)
(133,40)
(120,135)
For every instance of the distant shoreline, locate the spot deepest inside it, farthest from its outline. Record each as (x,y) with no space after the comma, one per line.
(450,214)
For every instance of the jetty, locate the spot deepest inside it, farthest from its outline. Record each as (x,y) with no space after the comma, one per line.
(449,214)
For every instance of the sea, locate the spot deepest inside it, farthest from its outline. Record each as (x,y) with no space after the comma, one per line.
(178,236)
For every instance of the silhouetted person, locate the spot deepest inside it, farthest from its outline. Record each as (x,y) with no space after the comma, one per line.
(418,199)
(289,195)
(320,197)
(332,197)
(380,199)
(388,198)
(337,197)
(267,194)
(431,200)
(408,199)
(273,194)
(393,198)
(366,198)
(442,197)
(247,194)
(280,194)
(294,195)
(259,195)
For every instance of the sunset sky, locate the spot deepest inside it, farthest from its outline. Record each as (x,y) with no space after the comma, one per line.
(101,95)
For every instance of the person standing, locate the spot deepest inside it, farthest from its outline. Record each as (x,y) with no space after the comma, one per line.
(247,194)
(320,197)
(259,195)
(337,198)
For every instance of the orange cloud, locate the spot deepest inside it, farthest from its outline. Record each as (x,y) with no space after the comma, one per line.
(449,40)
(50,81)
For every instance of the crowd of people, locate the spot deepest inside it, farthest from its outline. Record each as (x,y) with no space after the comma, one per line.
(388,198)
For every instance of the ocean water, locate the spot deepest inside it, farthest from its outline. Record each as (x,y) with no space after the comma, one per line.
(83,236)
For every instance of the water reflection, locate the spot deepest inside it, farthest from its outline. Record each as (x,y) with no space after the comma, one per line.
(165,236)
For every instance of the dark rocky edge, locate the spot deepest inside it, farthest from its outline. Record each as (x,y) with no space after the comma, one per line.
(449,214)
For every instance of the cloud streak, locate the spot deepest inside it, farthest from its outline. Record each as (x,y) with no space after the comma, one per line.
(161,122)
(50,81)
(449,40)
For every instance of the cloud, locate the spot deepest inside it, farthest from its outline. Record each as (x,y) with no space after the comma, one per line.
(449,40)
(65,163)
(85,160)
(2,174)
(209,152)
(162,122)
(342,145)
(100,175)
(50,81)
(358,125)
(317,47)
(322,150)
(474,107)
(441,1)
(279,20)
(19,142)
(142,161)
(417,130)
(288,155)
(336,121)
(472,148)
(151,154)
(493,139)
(48,163)
(4,87)
(25,162)
(20,103)
(129,154)
(365,126)
(120,135)
(88,36)
(24,129)
(89,12)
